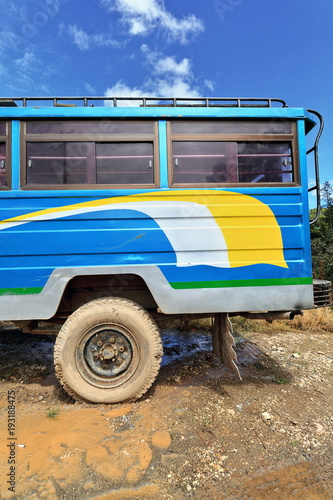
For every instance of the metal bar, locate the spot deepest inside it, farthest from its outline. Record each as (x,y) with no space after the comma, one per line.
(314,149)
(162,101)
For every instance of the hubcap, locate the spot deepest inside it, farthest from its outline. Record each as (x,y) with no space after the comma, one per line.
(107,355)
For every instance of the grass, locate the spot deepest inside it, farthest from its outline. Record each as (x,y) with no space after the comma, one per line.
(313,320)
(281,379)
(53,413)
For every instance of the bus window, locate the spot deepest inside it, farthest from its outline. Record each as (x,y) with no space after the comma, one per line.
(232,127)
(236,152)
(264,162)
(3,155)
(90,153)
(3,177)
(124,163)
(57,162)
(202,162)
(90,127)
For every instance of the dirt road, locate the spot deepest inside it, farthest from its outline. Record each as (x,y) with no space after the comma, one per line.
(199,433)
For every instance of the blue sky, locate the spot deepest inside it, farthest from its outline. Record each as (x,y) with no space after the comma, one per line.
(222,48)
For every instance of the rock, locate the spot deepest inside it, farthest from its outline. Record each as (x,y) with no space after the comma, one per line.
(319,428)
(266,416)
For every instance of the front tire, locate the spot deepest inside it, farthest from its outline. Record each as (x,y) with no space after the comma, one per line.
(108,351)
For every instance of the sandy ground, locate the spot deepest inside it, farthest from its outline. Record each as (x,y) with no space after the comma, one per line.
(198,433)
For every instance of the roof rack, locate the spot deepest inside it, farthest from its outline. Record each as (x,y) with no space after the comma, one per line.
(201,102)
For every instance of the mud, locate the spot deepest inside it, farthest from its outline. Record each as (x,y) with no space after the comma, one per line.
(198,433)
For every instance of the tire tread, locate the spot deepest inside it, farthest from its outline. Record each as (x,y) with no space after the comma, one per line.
(151,330)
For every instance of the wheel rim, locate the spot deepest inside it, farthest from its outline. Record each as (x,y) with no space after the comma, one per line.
(107,355)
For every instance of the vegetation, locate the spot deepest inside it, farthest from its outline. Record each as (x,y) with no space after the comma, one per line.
(322,237)
(53,413)
(313,320)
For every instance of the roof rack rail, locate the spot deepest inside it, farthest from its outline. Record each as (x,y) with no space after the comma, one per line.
(202,102)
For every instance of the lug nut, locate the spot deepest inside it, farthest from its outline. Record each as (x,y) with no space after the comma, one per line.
(112,340)
(99,343)
(121,348)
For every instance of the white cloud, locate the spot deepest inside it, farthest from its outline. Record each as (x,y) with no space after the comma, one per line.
(168,78)
(80,38)
(169,65)
(142,16)
(85,42)
(90,88)
(160,64)
(209,84)
(137,27)
(28,63)
(120,89)
(175,87)
(28,72)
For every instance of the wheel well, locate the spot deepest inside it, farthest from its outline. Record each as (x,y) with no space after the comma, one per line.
(83,289)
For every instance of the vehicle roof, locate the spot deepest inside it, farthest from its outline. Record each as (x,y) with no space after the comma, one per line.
(151,107)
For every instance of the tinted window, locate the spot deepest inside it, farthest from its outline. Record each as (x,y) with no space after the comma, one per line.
(57,162)
(2,128)
(200,162)
(264,162)
(104,152)
(95,128)
(275,126)
(60,163)
(208,162)
(124,163)
(3,175)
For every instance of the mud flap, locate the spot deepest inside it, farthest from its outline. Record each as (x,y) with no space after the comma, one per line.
(223,342)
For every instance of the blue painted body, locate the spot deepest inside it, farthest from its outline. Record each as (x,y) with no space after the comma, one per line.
(118,238)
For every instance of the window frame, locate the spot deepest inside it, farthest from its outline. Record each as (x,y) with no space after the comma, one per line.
(89,138)
(7,140)
(233,138)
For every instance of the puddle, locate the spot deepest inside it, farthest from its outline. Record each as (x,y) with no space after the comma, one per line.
(180,345)
(36,351)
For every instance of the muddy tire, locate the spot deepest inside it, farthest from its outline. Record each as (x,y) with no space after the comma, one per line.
(108,351)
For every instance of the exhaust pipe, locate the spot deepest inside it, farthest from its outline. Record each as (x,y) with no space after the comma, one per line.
(271,316)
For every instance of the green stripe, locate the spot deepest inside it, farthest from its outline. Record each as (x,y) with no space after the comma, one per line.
(20,291)
(241,283)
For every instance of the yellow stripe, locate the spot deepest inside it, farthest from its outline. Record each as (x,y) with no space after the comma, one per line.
(249,226)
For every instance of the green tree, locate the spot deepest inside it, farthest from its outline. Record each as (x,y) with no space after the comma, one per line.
(322,236)
(327,198)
